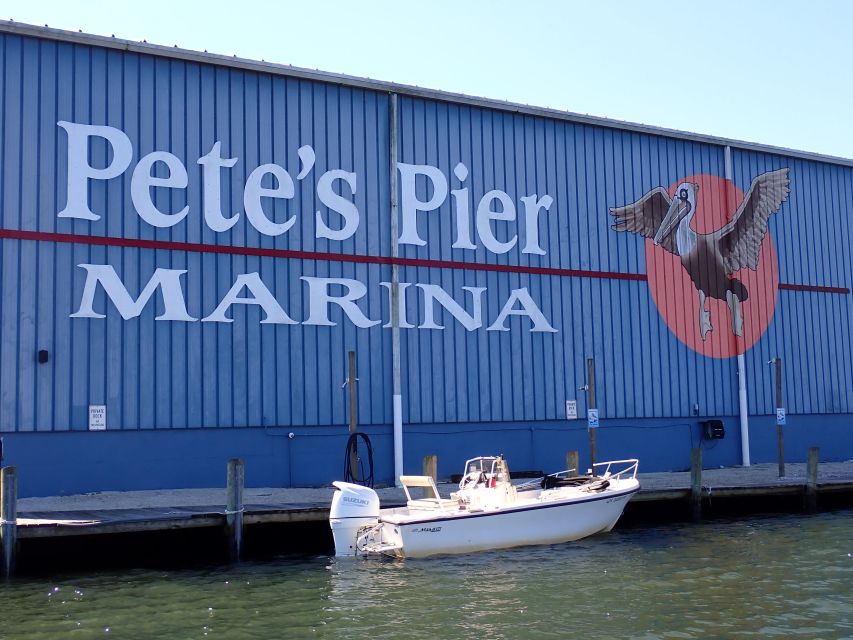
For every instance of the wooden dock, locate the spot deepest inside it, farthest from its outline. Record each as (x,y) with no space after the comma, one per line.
(143,512)
(121,512)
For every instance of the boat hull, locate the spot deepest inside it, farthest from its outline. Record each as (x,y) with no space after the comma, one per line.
(548,522)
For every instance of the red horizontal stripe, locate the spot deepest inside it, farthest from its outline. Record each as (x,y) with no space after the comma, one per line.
(166,245)
(813,287)
(307,255)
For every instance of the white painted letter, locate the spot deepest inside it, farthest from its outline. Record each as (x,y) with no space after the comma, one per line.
(80,171)
(336,203)
(168,280)
(433,292)
(404,321)
(211,190)
(261,296)
(254,192)
(463,219)
(409,200)
(528,309)
(319,301)
(142,181)
(532,207)
(485,214)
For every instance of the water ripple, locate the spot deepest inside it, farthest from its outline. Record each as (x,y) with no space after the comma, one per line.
(770,577)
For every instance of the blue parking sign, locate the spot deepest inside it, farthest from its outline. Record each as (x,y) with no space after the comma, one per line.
(592,418)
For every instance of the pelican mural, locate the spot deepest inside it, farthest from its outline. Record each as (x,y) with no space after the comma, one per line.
(710,259)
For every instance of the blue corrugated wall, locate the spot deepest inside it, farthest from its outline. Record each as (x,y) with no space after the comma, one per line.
(253,380)
(169,374)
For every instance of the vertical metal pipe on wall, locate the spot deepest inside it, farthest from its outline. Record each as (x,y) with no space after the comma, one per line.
(395,292)
(741,362)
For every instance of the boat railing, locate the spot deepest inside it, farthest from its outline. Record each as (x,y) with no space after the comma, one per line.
(570,476)
(630,467)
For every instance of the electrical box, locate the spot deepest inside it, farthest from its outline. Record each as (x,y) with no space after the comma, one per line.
(713,430)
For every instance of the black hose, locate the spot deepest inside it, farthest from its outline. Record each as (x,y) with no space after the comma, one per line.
(351,452)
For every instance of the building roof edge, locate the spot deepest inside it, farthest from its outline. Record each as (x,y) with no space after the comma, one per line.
(78,37)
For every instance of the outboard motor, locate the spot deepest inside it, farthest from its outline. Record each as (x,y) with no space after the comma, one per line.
(353,506)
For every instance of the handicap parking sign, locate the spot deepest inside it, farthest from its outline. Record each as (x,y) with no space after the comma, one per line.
(780,416)
(592,418)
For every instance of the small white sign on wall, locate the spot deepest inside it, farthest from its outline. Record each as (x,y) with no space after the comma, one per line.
(97,417)
(571,409)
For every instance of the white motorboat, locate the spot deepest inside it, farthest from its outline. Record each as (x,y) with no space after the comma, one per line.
(487,512)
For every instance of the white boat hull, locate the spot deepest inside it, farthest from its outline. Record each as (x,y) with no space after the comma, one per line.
(488,511)
(545,523)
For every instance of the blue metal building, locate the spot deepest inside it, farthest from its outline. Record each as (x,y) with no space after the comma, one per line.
(191,244)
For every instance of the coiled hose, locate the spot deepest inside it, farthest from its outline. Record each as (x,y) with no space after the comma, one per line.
(351,452)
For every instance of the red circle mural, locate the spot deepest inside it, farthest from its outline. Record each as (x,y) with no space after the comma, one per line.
(737,311)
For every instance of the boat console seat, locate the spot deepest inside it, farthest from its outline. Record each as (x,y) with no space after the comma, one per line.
(428,502)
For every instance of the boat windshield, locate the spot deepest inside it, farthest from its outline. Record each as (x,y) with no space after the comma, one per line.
(490,468)
(480,465)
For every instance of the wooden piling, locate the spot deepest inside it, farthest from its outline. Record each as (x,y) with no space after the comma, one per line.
(234,508)
(8,518)
(811,479)
(572,462)
(780,430)
(593,431)
(353,414)
(696,483)
(431,467)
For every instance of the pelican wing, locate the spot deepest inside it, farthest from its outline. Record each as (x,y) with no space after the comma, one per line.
(739,242)
(645,216)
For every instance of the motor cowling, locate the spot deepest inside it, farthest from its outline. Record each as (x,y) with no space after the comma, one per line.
(353,506)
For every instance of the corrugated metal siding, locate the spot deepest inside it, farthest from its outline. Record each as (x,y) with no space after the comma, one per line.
(184,375)
(810,330)
(641,369)
(173,374)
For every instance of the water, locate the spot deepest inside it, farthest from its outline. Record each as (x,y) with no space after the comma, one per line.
(788,576)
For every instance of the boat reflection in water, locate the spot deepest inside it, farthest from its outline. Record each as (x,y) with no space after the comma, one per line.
(487,512)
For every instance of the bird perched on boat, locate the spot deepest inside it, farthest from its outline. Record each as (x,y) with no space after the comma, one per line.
(710,259)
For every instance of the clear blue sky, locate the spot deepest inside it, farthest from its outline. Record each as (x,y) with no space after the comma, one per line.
(778,72)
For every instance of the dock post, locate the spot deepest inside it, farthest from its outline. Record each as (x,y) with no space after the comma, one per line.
(431,467)
(572,463)
(811,479)
(590,395)
(696,483)
(8,518)
(234,508)
(780,430)
(352,381)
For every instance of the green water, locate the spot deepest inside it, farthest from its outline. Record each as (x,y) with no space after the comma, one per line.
(786,577)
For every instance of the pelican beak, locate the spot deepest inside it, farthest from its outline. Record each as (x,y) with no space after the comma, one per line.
(677,210)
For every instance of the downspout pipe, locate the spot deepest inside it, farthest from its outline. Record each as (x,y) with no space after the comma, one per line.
(397,397)
(741,361)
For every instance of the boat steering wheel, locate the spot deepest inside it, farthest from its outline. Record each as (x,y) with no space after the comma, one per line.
(470,479)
